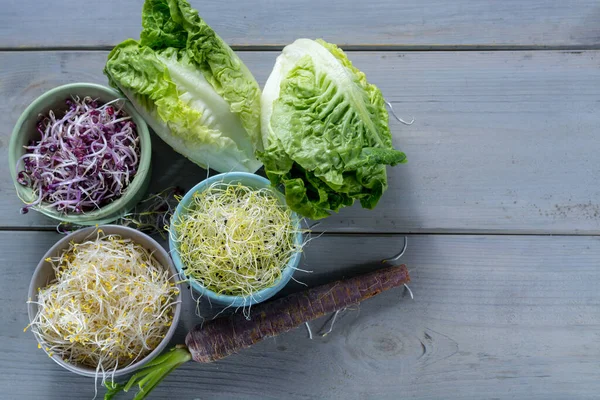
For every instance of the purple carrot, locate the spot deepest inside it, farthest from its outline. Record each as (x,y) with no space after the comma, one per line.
(224,336)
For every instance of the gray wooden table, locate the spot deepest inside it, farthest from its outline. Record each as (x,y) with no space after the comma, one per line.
(500,199)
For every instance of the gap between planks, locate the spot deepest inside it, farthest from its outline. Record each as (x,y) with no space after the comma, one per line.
(373,233)
(348,47)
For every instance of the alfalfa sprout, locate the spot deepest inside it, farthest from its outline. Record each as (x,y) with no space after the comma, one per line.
(236,240)
(111,303)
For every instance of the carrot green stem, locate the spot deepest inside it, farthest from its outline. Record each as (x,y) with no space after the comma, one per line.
(152,374)
(112,389)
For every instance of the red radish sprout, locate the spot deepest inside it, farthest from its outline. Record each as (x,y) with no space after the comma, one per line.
(83,160)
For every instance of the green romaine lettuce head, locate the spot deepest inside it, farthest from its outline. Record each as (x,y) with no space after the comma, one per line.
(190,87)
(325,131)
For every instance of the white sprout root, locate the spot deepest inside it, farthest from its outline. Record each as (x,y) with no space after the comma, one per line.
(397,117)
(409,291)
(310,335)
(236,240)
(110,304)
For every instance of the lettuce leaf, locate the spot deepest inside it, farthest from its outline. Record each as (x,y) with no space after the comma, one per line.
(325,131)
(190,87)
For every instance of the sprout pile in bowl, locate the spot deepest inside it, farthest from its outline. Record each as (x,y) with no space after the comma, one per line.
(80,153)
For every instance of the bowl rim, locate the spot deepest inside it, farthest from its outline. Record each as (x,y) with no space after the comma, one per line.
(102,214)
(232,301)
(125,232)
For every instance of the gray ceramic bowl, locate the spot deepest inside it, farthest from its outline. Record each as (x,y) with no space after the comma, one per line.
(44,274)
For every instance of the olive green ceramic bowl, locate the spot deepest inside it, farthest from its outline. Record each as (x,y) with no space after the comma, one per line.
(54,99)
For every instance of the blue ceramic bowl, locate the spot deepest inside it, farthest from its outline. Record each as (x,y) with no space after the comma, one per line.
(253,181)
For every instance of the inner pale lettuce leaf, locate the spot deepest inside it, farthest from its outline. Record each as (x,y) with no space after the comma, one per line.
(190,87)
(325,131)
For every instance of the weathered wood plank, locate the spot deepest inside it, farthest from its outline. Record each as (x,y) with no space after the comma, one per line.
(493,317)
(503,141)
(73,23)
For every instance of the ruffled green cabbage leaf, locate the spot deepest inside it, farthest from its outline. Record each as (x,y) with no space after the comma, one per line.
(325,131)
(190,87)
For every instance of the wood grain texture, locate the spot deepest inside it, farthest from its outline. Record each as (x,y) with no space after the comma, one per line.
(89,23)
(504,142)
(500,317)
